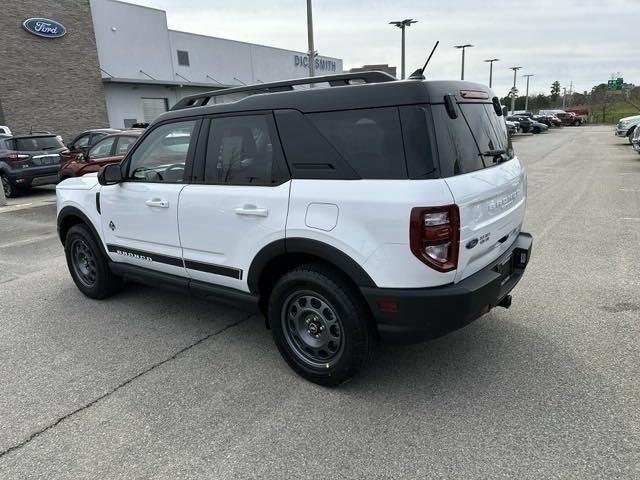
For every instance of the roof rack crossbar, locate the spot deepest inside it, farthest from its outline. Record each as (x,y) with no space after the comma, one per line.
(339,80)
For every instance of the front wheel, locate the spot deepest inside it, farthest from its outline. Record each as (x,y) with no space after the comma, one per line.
(629,137)
(321,325)
(88,265)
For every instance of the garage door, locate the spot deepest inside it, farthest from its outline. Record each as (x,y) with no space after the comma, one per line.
(153,107)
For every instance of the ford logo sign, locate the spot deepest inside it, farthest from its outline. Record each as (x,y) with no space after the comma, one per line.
(44,27)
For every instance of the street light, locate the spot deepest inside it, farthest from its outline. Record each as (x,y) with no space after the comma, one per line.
(312,52)
(401,25)
(513,91)
(468,45)
(526,97)
(490,61)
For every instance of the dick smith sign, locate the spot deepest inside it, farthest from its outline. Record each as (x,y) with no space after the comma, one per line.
(44,27)
(302,61)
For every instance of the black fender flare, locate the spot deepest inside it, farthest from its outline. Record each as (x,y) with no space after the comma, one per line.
(68,212)
(307,246)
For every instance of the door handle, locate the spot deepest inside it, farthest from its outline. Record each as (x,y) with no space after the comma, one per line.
(157,202)
(252,211)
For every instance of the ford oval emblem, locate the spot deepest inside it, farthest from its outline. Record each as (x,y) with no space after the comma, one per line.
(44,27)
(472,243)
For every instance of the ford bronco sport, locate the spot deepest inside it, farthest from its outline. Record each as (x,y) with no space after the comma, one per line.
(365,208)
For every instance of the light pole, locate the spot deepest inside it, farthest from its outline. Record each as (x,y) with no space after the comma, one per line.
(463,47)
(490,61)
(312,52)
(513,91)
(526,97)
(564,97)
(402,24)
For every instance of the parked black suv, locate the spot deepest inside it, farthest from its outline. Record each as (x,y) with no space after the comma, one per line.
(29,161)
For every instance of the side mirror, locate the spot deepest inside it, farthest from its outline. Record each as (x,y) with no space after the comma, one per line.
(110,174)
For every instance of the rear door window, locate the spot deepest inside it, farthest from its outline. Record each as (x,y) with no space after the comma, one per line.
(123,145)
(242,150)
(370,140)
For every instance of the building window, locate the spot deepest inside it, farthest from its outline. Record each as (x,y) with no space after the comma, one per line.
(153,107)
(183,58)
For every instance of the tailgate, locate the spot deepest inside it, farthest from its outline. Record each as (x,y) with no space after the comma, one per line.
(492,203)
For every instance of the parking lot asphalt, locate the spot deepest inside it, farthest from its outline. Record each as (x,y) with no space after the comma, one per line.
(149,384)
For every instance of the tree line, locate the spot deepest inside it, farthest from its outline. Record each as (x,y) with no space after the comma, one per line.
(599,100)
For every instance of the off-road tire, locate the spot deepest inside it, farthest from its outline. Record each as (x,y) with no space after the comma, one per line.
(88,265)
(334,297)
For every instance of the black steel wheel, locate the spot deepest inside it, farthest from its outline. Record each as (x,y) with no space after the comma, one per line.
(84,262)
(88,264)
(321,324)
(312,328)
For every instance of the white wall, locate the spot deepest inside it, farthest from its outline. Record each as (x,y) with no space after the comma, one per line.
(140,40)
(125,100)
(224,59)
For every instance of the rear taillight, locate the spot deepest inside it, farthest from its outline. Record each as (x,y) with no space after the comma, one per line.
(14,156)
(434,236)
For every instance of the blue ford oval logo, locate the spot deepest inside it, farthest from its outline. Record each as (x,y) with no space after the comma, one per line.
(472,243)
(44,27)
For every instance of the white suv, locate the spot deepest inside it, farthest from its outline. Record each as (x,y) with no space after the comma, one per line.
(369,209)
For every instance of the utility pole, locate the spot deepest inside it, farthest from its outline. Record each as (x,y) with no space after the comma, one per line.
(526,98)
(564,97)
(463,47)
(312,52)
(490,61)
(402,24)
(513,90)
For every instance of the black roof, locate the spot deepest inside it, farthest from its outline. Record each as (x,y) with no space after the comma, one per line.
(380,90)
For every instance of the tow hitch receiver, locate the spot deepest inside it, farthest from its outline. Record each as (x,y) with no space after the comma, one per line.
(505,302)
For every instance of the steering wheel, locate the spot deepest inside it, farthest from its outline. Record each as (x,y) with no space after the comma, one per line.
(172,168)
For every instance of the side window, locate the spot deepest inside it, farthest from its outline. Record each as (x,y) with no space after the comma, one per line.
(102,148)
(123,145)
(81,142)
(241,150)
(369,140)
(162,155)
(95,138)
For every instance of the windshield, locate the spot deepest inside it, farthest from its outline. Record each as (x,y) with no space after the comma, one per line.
(36,144)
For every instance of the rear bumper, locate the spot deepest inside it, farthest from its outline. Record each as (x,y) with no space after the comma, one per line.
(417,314)
(32,177)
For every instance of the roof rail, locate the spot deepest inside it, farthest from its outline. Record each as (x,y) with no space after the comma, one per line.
(339,80)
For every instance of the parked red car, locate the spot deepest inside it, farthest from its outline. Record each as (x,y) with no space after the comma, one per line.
(110,149)
(84,141)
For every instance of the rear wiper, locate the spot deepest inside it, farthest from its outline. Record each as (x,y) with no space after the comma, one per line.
(498,156)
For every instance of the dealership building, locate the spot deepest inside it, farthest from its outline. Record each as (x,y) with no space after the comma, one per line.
(69,65)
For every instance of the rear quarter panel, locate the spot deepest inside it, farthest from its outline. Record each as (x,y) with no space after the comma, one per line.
(371,224)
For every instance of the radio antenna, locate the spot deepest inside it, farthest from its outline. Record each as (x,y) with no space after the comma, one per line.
(419,74)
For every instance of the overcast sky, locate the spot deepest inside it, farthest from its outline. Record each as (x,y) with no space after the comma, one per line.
(583,41)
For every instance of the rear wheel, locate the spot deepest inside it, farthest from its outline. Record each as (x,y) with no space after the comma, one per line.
(87,264)
(321,325)
(10,191)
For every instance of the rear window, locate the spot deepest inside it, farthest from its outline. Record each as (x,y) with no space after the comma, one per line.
(464,143)
(35,144)
(370,140)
